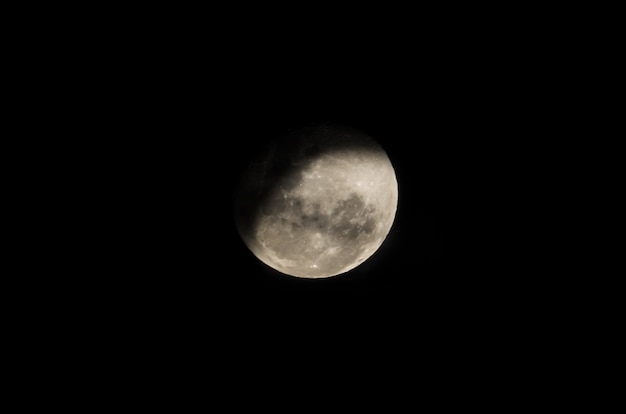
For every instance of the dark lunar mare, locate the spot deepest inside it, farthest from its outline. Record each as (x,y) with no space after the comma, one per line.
(350,218)
(344,226)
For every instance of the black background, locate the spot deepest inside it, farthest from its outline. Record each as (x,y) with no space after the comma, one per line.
(139,121)
(175,109)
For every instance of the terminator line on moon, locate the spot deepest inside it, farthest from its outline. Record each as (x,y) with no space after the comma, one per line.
(319,202)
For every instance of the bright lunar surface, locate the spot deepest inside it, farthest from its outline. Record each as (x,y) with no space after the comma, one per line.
(318,202)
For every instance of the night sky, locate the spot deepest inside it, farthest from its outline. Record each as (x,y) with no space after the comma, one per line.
(180,131)
(155,289)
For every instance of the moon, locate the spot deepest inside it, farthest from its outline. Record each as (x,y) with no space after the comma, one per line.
(317,202)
